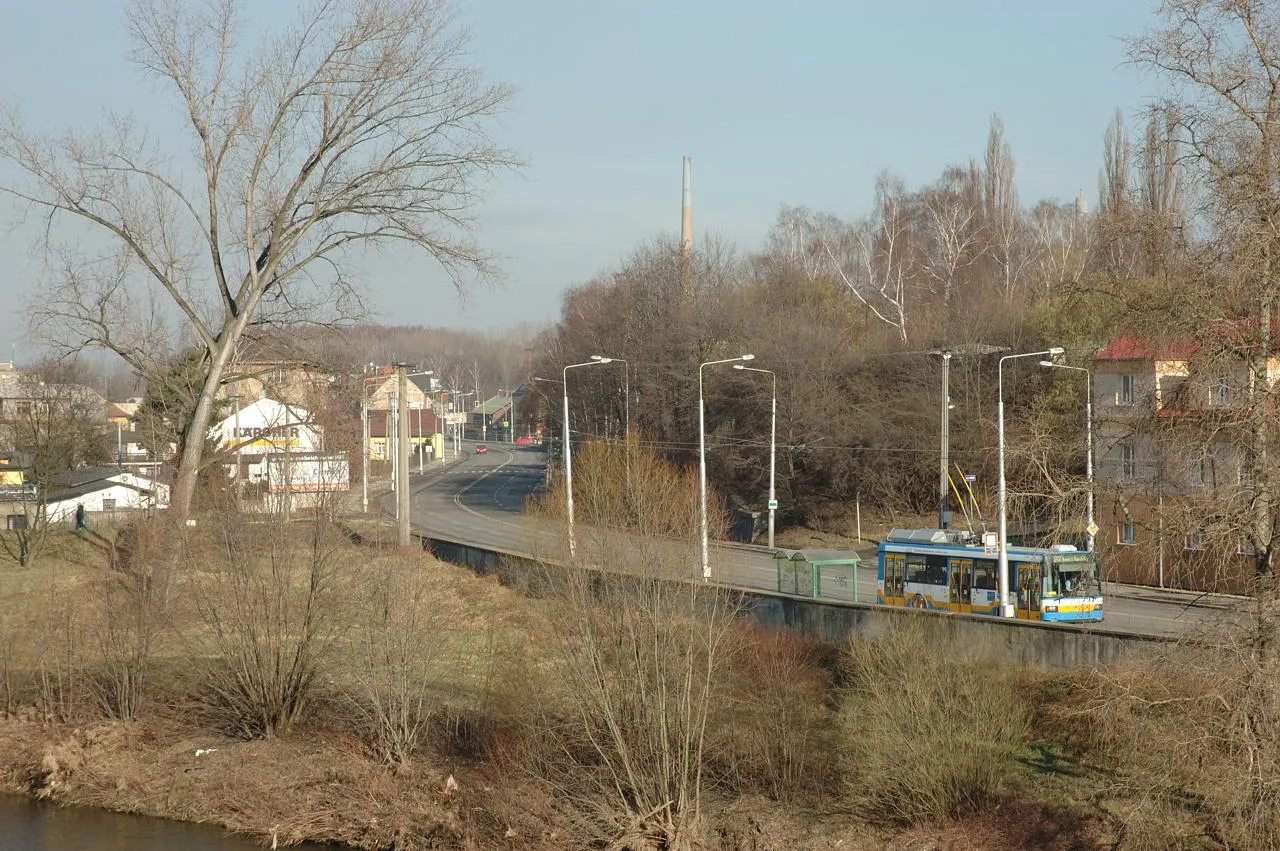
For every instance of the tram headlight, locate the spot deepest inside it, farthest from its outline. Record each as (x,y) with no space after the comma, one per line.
(1050,607)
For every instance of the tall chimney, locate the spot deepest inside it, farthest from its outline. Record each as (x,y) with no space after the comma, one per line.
(686,212)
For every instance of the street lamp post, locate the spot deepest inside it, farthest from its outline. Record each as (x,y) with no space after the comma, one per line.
(944,507)
(459,430)
(1088,439)
(773,443)
(425,394)
(568,449)
(702,461)
(364,447)
(402,455)
(1006,606)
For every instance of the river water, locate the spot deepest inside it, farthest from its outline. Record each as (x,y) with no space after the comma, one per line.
(33,826)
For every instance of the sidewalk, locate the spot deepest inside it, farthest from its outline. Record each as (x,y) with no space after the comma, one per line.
(1154,594)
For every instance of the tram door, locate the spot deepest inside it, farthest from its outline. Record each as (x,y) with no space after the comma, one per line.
(961,585)
(1028,600)
(895,565)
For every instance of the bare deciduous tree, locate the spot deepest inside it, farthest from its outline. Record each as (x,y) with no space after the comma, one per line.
(873,259)
(952,210)
(359,126)
(1222,62)
(1003,222)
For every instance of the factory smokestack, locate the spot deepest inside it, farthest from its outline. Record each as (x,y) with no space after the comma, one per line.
(686,212)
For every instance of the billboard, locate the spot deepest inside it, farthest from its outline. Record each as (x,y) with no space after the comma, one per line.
(310,472)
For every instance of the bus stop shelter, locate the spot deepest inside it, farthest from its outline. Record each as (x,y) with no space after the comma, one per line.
(830,574)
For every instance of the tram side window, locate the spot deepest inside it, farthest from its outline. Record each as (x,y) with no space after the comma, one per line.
(937,570)
(984,575)
(917,569)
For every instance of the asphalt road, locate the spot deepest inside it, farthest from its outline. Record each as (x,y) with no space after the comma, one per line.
(482,498)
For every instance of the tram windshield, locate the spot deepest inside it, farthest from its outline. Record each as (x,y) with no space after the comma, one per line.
(1075,575)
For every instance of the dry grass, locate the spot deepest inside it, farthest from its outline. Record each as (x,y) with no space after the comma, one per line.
(930,730)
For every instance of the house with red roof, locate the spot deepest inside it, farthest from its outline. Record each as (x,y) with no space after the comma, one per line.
(1172,466)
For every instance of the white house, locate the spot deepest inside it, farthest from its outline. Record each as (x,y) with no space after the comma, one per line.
(102,490)
(263,428)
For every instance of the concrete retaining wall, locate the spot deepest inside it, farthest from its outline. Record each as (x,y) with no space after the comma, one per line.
(1028,642)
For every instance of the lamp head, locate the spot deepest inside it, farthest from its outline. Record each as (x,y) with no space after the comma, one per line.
(1047,363)
(601,359)
(748,357)
(738,366)
(1056,351)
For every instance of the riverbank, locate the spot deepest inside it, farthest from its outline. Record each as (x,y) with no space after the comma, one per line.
(313,785)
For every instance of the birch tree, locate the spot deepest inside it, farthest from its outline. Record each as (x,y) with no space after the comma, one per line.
(359,126)
(952,210)
(873,258)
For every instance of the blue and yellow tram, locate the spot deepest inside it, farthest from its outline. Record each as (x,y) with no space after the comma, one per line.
(950,570)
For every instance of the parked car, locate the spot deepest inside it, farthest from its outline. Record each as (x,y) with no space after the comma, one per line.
(481,449)
(524,440)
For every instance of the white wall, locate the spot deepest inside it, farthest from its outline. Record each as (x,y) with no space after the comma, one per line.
(125,498)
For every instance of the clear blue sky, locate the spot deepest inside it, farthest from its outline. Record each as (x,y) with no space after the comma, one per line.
(796,103)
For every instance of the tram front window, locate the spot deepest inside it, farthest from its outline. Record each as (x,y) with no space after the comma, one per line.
(1075,579)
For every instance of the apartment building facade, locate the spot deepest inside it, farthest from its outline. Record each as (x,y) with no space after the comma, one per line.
(1172,464)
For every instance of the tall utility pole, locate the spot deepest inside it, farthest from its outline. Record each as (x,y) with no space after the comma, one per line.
(402,455)
(944,478)
(944,506)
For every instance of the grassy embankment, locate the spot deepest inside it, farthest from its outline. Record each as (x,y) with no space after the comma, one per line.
(284,682)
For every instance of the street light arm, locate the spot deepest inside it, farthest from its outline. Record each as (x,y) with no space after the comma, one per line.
(1088,432)
(1006,606)
(702,461)
(568,447)
(773,443)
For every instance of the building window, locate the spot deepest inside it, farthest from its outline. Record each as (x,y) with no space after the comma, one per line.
(1203,472)
(1124,396)
(1246,469)
(1128,462)
(1219,393)
(1195,541)
(108,504)
(16,522)
(1128,534)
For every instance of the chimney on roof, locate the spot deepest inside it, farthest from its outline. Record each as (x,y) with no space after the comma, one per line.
(686,230)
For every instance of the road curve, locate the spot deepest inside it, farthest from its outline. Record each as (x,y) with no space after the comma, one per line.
(481,500)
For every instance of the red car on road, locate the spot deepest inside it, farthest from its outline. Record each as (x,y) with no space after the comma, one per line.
(481,449)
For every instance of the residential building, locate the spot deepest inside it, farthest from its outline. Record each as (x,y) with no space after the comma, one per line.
(107,491)
(263,428)
(1171,464)
(291,381)
(422,391)
(423,427)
